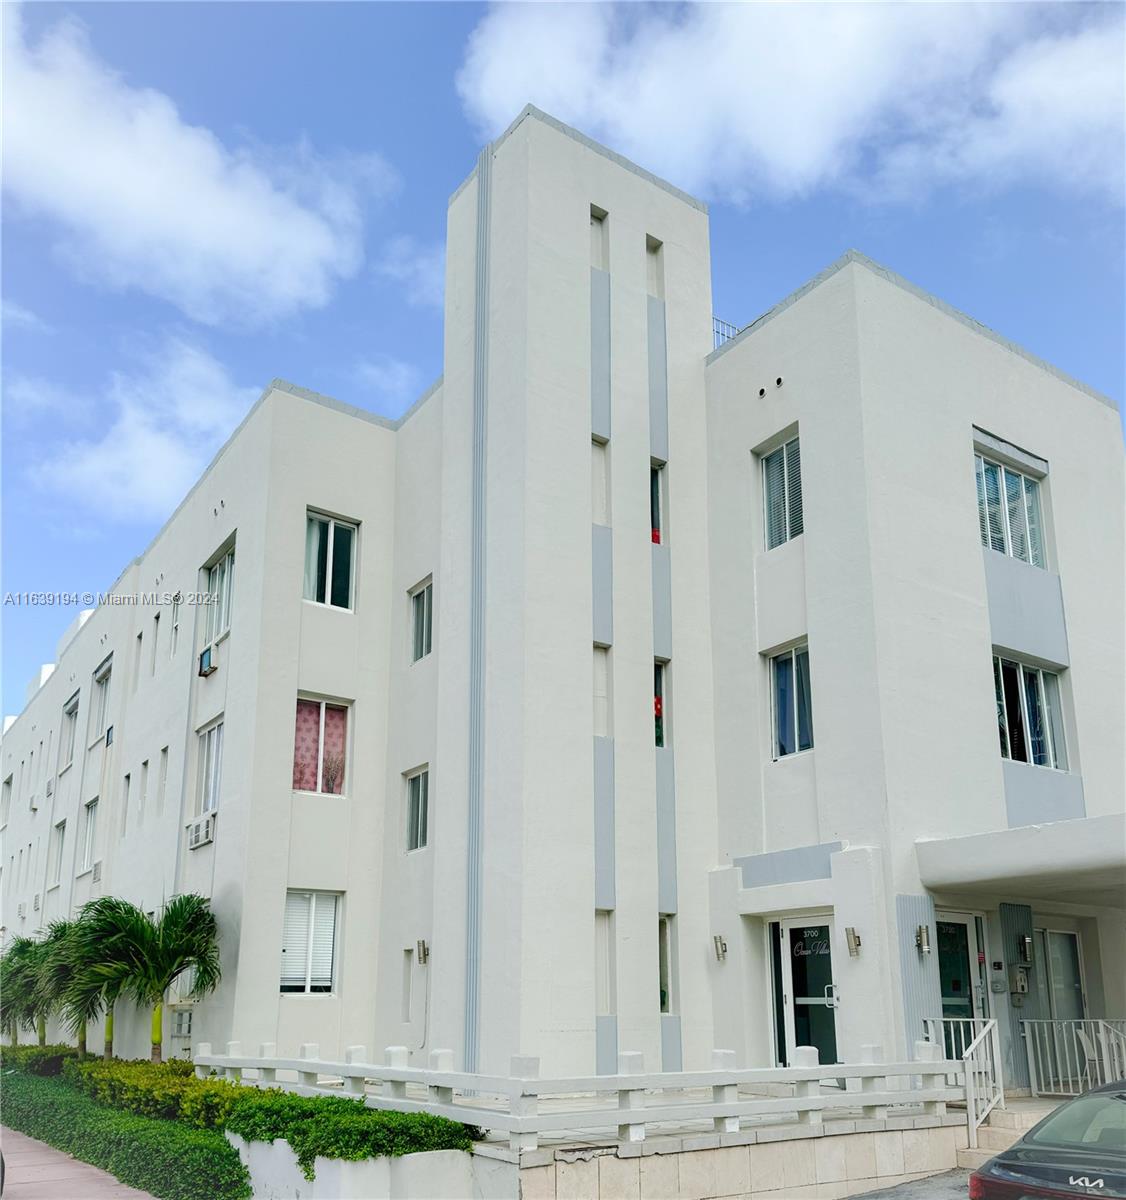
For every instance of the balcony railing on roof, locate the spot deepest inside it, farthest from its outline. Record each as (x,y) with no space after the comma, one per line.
(723,331)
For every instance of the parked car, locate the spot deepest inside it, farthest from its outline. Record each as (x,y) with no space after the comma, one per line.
(1078,1150)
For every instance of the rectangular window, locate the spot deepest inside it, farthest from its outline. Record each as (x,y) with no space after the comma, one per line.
(155,642)
(422,620)
(162,780)
(101,697)
(137,660)
(69,730)
(666,962)
(143,796)
(330,555)
(599,482)
(125,786)
(605,1002)
(657,501)
(418,809)
(603,716)
(1008,512)
(174,640)
(58,840)
(308,955)
(793,702)
(210,768)
(89,834)
(219,586)
(6,801)
(320,747)
(1029,714)
(660,705)
(781,478)
(182,1023)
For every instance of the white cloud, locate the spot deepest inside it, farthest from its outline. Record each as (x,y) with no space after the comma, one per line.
(22,318)
(391,383)
(159,427)
(145,200)
(420,269)
(770,100)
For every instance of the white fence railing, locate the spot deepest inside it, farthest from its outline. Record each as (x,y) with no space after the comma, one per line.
(525,1107)
(976,1041)
(723,331)
(1067,1058)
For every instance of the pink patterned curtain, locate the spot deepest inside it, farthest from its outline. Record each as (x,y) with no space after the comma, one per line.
(336,740)
(305,745)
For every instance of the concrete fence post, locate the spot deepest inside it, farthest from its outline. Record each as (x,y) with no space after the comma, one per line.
(267,1050)
(234,1074)
(399,1058)
(724,1093)
(203,1050)
(441,1060)
(521,1102)
(355,1085)
(308,1078)
(874,1083)
(807,1057)
(631,1100)
(931,1052)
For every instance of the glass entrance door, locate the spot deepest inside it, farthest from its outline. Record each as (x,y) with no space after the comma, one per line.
(810,999)
(961,974)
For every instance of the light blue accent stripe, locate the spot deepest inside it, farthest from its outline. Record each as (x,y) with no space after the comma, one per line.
(604,822)
(666,831)
(922,992)
(658,381)
(476,761)
(662,602)
(671,1055)
(600,353)
(606,1044)
(602,584)
(788,866)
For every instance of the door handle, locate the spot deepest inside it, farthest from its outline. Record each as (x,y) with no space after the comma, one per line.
(831,997)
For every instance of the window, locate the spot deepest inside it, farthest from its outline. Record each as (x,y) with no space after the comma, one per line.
(58,840)
(603,726)
(1008,512)
(125,804)
(666,962)
(210,768)
(308,955)
(70,728)
(793,703)
(422,620)
(330,549)
(418,809)
(101,697)
(599,482)
(155,642)
(781,478)
(6,801)
(174,640)
(657,500)
(320,745)
(604,974)
(144,796)
(89,834)
(1029,714)
(162,780)
(182,1023)
(220,585)
(137,660)
(660,728)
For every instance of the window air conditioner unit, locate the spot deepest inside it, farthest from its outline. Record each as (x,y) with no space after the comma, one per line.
(21,909)
(201,832)
(208,662)
(35,902)
(97,876)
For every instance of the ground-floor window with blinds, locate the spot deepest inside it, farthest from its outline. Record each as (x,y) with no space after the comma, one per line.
(308,956)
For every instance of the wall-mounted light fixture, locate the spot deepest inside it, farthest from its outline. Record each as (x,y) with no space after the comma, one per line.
(720,947)
(1024,947)
(852,938)
(423,950)
(923,939)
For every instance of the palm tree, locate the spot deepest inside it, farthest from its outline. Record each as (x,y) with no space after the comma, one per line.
(62,963)
(21,1000)
(127,952)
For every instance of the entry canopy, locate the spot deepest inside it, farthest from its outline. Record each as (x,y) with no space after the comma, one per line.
(1078,862)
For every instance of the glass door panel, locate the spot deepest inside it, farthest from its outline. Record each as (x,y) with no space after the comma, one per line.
(811,1011)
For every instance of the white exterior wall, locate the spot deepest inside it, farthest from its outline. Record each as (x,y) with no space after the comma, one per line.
(888,584)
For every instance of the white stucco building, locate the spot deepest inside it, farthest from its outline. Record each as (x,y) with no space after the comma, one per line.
(626,693)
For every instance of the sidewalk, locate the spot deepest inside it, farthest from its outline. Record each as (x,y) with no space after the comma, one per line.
(35,1171)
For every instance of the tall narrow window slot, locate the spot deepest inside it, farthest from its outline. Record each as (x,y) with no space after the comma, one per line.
(599,482)
(605,1003)
(603,726)
(666,962)
(418,809)
(422,620)
(657,501)
(660,705)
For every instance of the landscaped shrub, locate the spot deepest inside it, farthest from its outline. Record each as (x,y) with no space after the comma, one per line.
(149,1089)
(166,1158)
(37,1060)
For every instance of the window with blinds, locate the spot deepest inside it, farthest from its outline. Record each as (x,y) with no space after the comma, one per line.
(1008,512)
(1029,714)
(782,500)
(308,954)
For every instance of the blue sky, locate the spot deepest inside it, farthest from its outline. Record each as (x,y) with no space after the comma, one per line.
(201,197)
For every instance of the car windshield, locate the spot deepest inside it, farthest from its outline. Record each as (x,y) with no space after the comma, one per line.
(1098,1119)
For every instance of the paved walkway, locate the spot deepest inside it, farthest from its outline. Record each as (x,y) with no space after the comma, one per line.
(36,1171)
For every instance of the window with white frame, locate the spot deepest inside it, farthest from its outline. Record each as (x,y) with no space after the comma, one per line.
(320,746)
(657,502)
(330,560)
(1009,516)
(125,789)
(666,962)
(219,586)
(174,640)
(781,486)
(1029,714)
(69,732)
(660,704)
(308,954)
(101,697)
(89,834)
(182,1023)
(792,701)
(162,780)
(418,809)
(58,841)
(422,620)
(210,768)
(6,801)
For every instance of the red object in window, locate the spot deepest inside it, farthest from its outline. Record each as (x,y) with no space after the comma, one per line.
(656,537)
(658,706)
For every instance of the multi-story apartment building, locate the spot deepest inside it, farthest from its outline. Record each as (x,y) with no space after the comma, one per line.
(626,693)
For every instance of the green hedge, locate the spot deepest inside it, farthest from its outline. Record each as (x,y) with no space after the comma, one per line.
(37,1060)
(166,1158)
(331,1126)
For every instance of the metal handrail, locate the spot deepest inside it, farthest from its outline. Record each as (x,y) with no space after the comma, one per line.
(1070,1056)
(984,1088)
